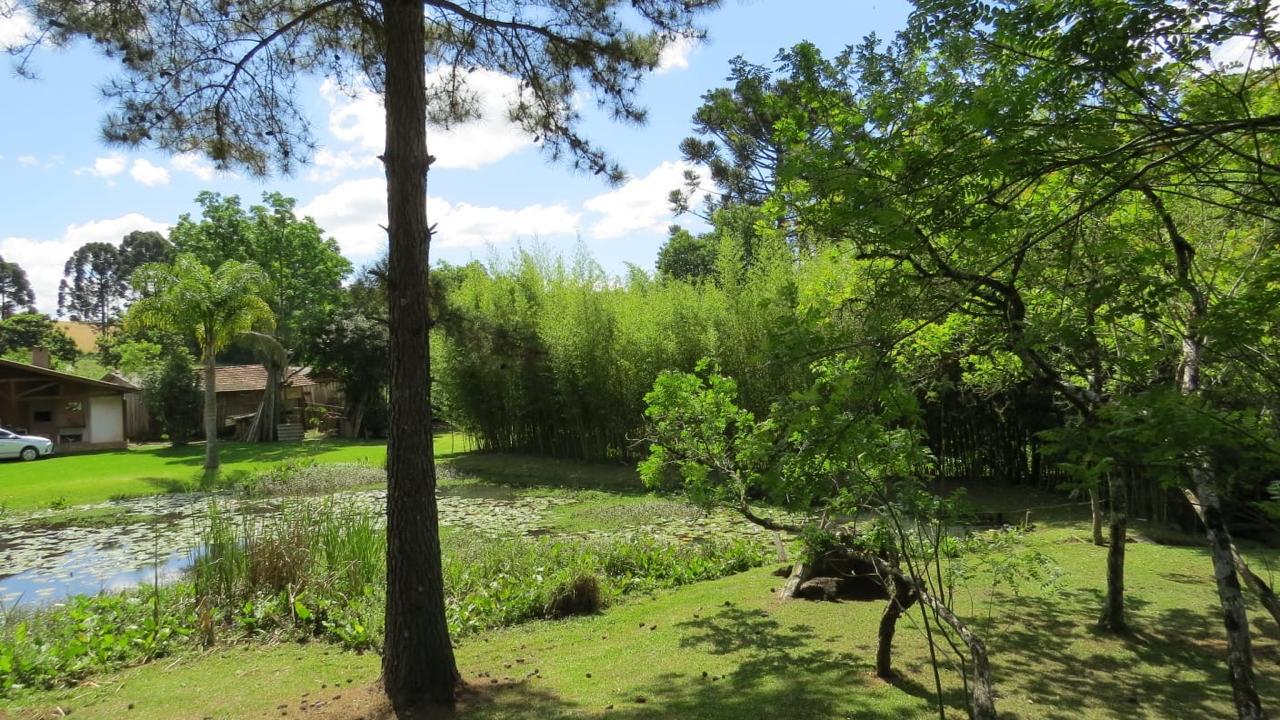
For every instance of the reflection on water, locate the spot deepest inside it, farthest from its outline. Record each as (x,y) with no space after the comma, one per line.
(86,571)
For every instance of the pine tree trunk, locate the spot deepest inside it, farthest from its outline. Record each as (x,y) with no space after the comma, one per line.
(210,413)
(418,666)
(1113,619)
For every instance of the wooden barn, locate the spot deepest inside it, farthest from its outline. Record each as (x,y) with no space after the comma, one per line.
(240,389)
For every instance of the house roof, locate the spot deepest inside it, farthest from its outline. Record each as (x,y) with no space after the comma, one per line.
(248,378)
(117,386)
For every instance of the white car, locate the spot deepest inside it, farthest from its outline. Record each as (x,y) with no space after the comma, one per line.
(26,447)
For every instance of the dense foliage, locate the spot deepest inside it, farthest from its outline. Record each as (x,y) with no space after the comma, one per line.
(20,333)
(95,283)
(553,357)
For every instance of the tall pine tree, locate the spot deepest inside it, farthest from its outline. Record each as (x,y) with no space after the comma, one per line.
(221,78)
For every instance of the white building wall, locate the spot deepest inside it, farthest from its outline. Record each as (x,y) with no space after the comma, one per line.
(106,419)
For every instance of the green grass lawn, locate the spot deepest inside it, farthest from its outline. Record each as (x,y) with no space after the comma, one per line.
(157,468)
(729,650)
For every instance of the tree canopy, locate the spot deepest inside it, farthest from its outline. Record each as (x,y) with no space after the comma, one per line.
(15,290)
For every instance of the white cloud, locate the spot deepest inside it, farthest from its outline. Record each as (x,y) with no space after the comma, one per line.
(43,258)
(104,167)
(15,25)
(329,165)
(28,160)
(354,211)
(640,205)
(351,212)
(466,225)
(148,174)
(675,56)
(195,164)
(358,119)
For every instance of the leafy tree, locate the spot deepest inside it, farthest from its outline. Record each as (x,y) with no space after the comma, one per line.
(170,385)
(94,286)
(179,92)
(305,269)
(735,138)
(15,290)
(687,257)
(141,247)
(351,346)
(848,446)
(213,306)
(25,331)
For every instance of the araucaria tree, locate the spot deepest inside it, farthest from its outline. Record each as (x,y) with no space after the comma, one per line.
(211,306)
(95,279)
(93,288)
(15,290)
(220,78)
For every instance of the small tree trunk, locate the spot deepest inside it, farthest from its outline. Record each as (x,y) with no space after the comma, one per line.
(1244,688)
(270,417)
(1113,619)
(1239,650)
(210,413)
(1265,594)
(897,607)
(1095,507)
(982,703)
(418,665)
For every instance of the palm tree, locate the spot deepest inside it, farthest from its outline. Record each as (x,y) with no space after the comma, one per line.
(211,305)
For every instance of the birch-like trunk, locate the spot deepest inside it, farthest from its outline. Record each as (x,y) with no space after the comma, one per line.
(1113,619)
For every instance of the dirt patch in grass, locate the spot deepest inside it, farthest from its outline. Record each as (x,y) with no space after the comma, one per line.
(478,696)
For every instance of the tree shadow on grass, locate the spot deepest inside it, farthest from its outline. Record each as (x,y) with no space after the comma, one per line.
(166,485)
(779,671)
(1171,664)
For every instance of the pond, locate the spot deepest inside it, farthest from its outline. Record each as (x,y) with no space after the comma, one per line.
(44,560)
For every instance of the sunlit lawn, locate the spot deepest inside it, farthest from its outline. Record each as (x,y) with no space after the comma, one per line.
(729,649)
(159,468)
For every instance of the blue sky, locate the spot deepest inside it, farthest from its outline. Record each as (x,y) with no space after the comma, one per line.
(491,188)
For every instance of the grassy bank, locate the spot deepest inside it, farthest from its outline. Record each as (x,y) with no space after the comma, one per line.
(157,468)
(762,658)
(317,570)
